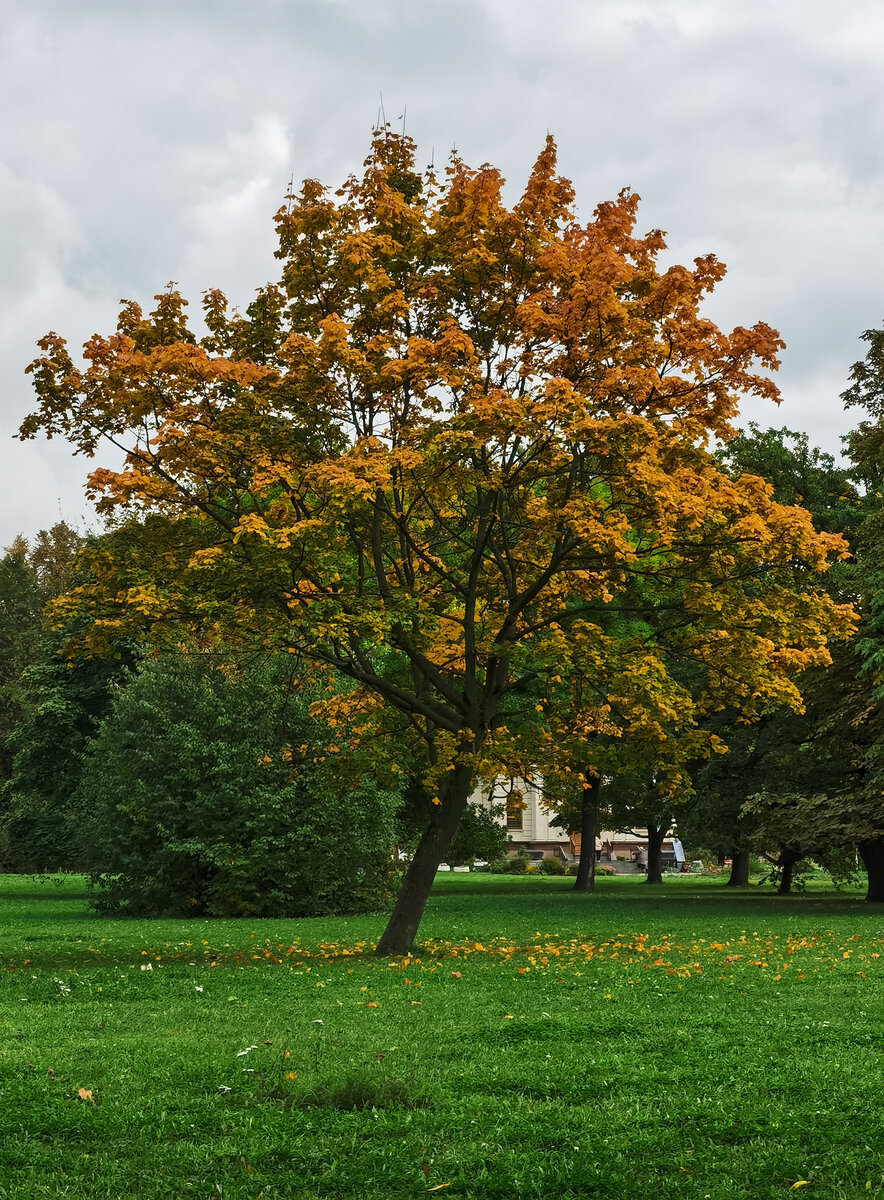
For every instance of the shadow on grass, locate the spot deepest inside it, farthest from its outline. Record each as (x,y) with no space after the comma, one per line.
(626,894)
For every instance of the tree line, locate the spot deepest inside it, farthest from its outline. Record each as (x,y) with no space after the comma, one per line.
(472,468)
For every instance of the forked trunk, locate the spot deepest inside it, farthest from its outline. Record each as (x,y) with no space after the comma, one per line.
(656,834)
(398,937)
(589,808)
(872,854)
(739,869)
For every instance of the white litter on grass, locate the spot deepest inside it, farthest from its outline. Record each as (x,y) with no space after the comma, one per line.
(247,1050)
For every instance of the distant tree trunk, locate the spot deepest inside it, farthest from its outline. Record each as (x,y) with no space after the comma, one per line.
(656,834)
(454,792)
(589,807)
(739,869)
(789,859)
(872,854)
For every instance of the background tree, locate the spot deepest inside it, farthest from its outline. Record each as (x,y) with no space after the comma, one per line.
(817,787)
(62,703)
(799,474)
(20,608)
(31,574)
(775,755)
(432,456)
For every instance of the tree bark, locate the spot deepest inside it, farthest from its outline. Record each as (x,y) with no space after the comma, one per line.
(589,807)
(787,864)
(739,869)
(398,937)
(656,834)
(872,854)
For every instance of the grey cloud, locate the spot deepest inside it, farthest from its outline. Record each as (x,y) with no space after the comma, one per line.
(143,143)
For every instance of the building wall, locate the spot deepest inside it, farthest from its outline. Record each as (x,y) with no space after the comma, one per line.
(537,823)
(539,831)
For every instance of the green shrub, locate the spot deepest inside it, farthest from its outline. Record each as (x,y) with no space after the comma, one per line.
(196,808)
(518,864)
(480,835)
(600,869)
(552,865)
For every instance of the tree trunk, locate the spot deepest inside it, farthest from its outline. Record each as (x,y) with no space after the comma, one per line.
(454,792)
(787,864)
(739,869)
(589,807)
(656,834)
(872,854)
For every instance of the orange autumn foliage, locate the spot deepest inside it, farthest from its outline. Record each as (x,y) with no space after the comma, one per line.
(459,451)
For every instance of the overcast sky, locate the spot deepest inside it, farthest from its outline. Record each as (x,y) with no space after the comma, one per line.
(148,142)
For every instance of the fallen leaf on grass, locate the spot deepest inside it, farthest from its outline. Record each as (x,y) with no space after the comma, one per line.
(438,1187)
(85,1094)
(799,1183)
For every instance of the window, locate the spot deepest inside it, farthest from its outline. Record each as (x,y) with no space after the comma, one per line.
(514,811)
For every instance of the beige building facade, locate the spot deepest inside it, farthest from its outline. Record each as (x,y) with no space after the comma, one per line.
(530,826)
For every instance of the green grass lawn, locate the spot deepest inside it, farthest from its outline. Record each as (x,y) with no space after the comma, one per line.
(687,1041)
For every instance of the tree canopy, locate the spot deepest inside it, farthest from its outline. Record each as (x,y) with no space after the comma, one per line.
(459,454)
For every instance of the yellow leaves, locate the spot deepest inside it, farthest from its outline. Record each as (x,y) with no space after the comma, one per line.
(205,558)
(144,598)
(251,523)
(433,502)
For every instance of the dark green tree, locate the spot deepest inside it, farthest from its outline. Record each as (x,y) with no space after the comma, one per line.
(207,791)
(62,702)
(20,607)
(779,754)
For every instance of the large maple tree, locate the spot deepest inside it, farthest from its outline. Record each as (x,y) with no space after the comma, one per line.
(434,458)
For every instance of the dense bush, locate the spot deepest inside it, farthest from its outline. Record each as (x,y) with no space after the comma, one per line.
(552,865)
(196,806)
(514,864)
(518,864)
(480,835)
